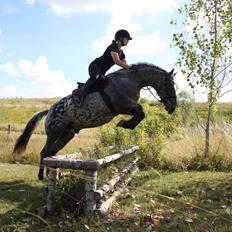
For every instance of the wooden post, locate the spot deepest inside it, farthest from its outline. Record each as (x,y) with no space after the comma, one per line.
(52,179)
(8,129)
(90,188)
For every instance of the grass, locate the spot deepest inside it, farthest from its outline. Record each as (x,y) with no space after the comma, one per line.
(19,190)
(224,110)
(11,109)
(84,139)
(184,149)
(154,201)
(11,113)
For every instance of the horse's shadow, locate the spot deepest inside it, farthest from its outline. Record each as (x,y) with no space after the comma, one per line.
(22,199)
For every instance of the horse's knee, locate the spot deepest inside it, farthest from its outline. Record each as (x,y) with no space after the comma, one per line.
(40,175)
(142,115)
(139,111)
(43,154)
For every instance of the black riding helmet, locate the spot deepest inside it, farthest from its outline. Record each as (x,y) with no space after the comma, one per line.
(121,34)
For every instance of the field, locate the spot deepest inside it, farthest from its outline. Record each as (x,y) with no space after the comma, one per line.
(16,113)
(155,201)
(177,197)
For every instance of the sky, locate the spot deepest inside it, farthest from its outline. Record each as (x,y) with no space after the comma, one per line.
(46,46)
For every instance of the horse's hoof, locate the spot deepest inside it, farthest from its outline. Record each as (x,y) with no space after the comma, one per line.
(40,177)
(121,123)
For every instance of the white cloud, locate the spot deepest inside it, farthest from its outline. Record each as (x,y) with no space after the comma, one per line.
(49,83)
(123,14)
(139,46)
(9,68)
(125,7)
(39,71)
(30,2)
(8,90)
(0,35)
(148,44)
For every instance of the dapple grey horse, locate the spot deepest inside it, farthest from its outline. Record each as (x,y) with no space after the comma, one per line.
(119,95)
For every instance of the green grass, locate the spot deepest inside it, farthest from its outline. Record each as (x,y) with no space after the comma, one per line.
(155,201)
(224,110)
(17,112)
(19,191)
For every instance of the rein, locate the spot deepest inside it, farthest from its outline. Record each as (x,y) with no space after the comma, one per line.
(149,89)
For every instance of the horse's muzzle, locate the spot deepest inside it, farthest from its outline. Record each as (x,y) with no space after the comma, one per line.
(170,107)
(171,110)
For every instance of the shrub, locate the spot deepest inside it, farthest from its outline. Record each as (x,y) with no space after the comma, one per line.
(68,195)
(149,135)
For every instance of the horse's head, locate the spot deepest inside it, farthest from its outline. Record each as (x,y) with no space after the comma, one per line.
(159,79)
(167,92)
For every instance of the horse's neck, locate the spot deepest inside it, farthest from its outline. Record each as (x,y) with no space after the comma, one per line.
(152,79)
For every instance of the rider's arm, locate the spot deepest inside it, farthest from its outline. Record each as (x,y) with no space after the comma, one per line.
(116,59)
(124,60)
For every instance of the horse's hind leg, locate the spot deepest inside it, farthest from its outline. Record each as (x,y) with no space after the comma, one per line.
(51,148)
(50,140)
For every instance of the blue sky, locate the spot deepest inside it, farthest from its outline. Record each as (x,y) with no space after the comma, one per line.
(47,45)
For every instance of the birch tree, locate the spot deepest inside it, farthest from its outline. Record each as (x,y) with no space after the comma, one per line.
(203,38)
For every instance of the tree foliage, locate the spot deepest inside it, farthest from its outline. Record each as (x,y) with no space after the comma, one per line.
(205,52)
(204,44)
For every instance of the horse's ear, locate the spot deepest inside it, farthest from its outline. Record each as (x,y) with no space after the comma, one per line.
(172,74)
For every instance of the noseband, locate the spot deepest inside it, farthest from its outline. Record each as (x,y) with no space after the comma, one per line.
(168,95)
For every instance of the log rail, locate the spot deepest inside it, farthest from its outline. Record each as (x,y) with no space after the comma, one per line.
(91,167)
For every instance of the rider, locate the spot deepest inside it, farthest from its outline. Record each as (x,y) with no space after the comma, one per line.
(112,55)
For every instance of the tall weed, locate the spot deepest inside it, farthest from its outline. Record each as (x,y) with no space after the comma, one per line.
(185,150)
(149,135)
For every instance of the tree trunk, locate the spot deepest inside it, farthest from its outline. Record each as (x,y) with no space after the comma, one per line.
(207,131)
(211,93)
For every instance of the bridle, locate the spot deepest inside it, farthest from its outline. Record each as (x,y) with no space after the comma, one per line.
(149,89)
(164,82)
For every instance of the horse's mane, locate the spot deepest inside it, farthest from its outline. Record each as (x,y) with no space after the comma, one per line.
(138,65)
(149,65)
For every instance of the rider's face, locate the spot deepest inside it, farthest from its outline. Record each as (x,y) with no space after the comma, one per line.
(125,41)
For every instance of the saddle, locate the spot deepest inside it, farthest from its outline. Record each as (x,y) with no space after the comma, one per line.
(77,91)
(98,87)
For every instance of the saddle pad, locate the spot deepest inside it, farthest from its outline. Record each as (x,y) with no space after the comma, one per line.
(77,91)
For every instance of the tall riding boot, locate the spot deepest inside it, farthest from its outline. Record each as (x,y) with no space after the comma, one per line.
(86,89)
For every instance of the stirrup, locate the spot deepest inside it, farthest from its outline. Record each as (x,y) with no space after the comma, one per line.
(81,99)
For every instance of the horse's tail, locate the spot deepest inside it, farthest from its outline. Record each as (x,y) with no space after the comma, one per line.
(23,139)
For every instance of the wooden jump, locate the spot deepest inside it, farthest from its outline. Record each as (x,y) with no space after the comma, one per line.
(92,194)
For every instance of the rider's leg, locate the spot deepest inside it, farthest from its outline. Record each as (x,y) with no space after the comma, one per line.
(86,89)
(94,73)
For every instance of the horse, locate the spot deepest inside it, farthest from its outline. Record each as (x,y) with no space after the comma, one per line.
(119,95)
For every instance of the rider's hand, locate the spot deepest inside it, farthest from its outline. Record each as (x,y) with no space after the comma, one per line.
(100,77)
(133,67)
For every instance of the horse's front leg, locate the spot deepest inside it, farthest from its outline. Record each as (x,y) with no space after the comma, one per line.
(138,115)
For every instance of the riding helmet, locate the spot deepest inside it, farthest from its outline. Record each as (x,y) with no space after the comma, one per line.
(121,34)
